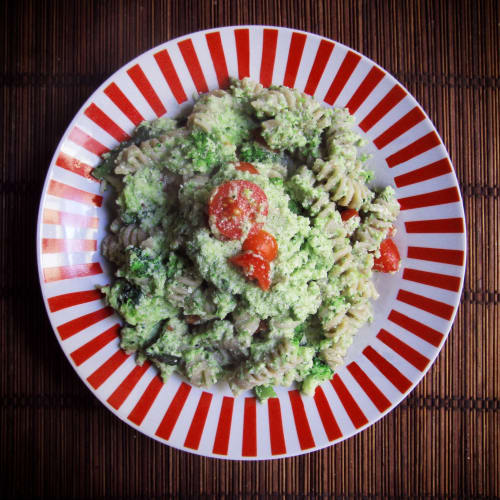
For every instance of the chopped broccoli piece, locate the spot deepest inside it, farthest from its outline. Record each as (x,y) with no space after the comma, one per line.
(144,270)
(318,373)
(277,181)
(264,392)
(299,333)
(252,152)
(173,265)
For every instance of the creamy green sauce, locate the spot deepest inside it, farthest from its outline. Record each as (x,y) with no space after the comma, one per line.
(186,308)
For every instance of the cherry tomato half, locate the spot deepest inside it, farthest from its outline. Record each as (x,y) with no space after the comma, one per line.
(389,259)
(262,243)
(254,267)
(348,214)
(233,205)
(244,166)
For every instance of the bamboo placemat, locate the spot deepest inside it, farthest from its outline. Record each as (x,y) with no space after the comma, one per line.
(58,441)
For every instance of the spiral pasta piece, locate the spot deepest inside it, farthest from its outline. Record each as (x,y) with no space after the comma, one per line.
(131,235)
(245,321)
(148,153)
(382,213)
(203,116)
(343,189)
(182,287)
(343,335)
(112,249)
(246,88)
(293,121)
(283,360)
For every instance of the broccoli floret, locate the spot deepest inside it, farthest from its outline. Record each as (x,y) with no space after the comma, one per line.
(299,333)
(173,264)
(137,337)
(107,165)
(144,270)
(252,152)
(148,129)
(135,306)
(318,373)
(264,392)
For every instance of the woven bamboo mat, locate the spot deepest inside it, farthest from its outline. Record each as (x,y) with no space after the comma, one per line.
(58,441)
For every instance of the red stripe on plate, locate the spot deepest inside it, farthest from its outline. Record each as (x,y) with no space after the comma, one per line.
(392,374)
(432,306)
(444,281)
(269,42)
(249,441)
(393,97)
(78,136)
(440,167)
(429,141)
(441,197)
(142,407)
(216,49)
(100,118)
(67,219)
(372,391)
(58,273)
(172,414)
(419,329)
(74,326)
(304,434)
(121,100)
(87,350)
(72,299)
(121,393)
(370,81)
(242,40)
(221,442)
(193,64)
(322,56)
(435,226)
(195,432)
(168,69)
(330,425)
(56,245)
(405,123)
(443,255)
(76,166)
(419,361)
(146,89)
(109,367)
(294,56)
(345,71)
(61,190)
(278,446)
(353,410)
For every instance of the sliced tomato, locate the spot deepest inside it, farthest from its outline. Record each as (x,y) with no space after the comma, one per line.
(235,204)
(244,166)
(389,259)
(262,243)
(254,267)
(349,214)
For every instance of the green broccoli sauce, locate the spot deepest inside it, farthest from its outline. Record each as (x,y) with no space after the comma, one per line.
(185,307)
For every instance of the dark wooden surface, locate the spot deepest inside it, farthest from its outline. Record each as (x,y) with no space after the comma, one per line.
(56,440)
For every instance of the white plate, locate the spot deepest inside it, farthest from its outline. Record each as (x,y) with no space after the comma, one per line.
(412,317)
